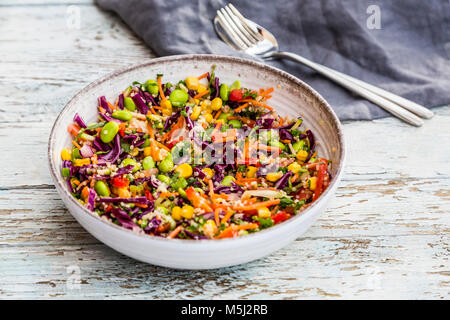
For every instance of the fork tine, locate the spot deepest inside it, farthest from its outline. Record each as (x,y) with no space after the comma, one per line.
(230,33)
(224,37)
(236,12)
(232,24)
(238,24)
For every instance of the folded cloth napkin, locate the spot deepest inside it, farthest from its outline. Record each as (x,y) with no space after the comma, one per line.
(401,46)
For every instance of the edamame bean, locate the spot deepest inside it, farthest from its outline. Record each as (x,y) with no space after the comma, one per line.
(224,116)
(224,92)
(298,145)
(164,178)
(130,162)
(235,123)
(228,180)
(166,165)
(123,115)
(151,86)
(129,104)
(102,188)
(178,97)
(276,143)
(109,131)
(235,85)
(146,143)
(179,183)
(148,163)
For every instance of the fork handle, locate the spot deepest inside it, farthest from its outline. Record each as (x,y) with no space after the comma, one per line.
(365,90)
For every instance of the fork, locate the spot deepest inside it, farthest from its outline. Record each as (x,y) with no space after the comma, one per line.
(245,35)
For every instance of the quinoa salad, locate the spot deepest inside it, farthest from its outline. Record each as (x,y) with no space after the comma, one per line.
(197,159)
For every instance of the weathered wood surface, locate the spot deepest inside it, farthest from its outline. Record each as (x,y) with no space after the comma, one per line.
(385,235)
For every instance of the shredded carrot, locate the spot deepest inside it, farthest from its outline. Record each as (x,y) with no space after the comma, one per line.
(216,116)
(73,128)
(157,107)
(203,76)
(266,92)
(161,92)
(162,146)
(247,226)
(257,205)
(140,205)
(168,194)
(76,144)
(111,106)
(286,141)
(85,193)
(94,159)
(216,216)
(211,188)
(150,130)
(175,232)
(201,94)
(256,103)
(241,107)
(227,216)
(231,230)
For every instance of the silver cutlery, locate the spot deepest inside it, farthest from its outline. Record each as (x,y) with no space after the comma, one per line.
(247,36)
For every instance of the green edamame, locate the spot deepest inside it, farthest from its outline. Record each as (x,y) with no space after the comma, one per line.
(276,143)
(129,104)
(224,92)
(179,183)
(151,86)
(148,163)
(298,145)
(235,123)
(123,115)
(109,131)
(146,143)
(227,180)
(102,188)
(130,162)
(224,116)
(178,97)
(166,165)
(163,178)
(235,85)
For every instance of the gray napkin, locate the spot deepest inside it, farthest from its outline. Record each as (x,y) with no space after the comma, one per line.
(405,51)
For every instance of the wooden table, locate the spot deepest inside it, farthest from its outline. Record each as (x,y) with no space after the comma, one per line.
(385,234)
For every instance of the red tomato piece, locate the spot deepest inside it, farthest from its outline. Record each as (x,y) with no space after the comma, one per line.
(280,217)
(235,95)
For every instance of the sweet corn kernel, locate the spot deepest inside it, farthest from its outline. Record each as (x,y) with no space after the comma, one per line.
(210,228)
(184,169)
(302,155)
(263,212)
(208,117)
(294,167)
(166,106)
(201,88)
(312,182)
(192,83)
(221,121)
(208,172)
(187,212)
(176,213)
(206,106)
(195,112)
(147,151)
(274,176)
(216,104)
(123,193)
(66,154)
(134,152)
(82,162)
(251,171)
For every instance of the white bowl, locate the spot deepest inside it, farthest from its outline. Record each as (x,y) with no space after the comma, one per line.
(291,97)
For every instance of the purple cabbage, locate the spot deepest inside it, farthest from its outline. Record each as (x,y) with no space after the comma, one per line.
(140,104)
(90,205)
(199,173)
(282,182)
(100,145)
(285,135)
(188,119)
(138,143)
(104,104)
(191,93)
(171,120)
(79,121)
(264,123)
(120,102)
(113,155)
(153,224)
(234,188)
(123,218)
(108,118)
(312,144)
(148,98)
(216,85)
(194,236)
(125,170)
(86,151)
(168,91)
(140,200)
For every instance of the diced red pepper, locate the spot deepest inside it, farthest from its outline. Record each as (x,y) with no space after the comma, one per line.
(320,177)
(280,217)
(120,182)
(149,195)
(235,95)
